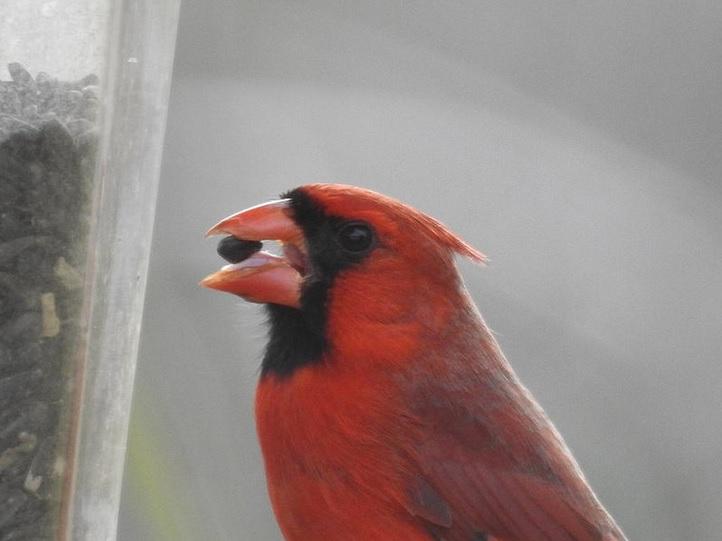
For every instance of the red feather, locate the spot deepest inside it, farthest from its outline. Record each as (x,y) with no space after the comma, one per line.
(413,425)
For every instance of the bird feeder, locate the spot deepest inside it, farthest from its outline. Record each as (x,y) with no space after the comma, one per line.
(83,97)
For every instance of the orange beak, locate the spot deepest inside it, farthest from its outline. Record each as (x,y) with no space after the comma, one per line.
(263,277)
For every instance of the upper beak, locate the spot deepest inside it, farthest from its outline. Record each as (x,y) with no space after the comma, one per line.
(262,277)
(267,221)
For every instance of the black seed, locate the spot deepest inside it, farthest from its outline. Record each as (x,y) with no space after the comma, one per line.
(20,75)
(11,500)
(12,248)
(7,363)
(91,79)
(47,164)
(235,250)
(26,326)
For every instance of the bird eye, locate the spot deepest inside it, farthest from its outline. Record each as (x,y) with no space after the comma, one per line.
(356,237)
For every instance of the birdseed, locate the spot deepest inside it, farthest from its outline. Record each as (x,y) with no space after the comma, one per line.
(47,159)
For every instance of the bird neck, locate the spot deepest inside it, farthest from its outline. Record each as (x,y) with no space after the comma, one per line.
(293,342)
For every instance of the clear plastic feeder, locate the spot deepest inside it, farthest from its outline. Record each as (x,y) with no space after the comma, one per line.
(83,96)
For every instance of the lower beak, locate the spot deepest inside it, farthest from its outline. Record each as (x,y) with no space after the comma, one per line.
(262,277)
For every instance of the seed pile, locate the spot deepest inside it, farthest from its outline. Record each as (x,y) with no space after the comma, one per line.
(47,159)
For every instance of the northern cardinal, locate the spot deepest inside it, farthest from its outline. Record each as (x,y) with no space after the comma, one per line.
(385,408)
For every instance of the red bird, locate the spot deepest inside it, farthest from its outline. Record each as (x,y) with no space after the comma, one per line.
(385,408)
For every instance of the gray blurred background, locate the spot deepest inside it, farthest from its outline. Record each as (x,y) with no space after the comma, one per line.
(576,143)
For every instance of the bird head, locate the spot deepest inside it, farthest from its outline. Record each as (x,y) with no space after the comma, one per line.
(356,265)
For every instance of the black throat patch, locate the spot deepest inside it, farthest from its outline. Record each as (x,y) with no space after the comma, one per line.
(298,337)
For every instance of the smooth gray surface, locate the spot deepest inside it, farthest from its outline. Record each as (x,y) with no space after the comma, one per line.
(576,143)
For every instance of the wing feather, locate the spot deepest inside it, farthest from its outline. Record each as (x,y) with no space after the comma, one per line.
(500,467)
